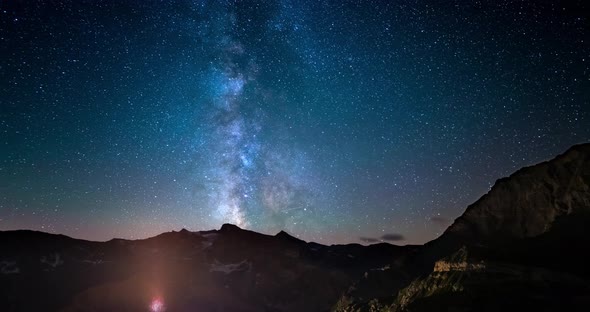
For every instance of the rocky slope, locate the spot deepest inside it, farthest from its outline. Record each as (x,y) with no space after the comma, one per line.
(463,282)
(527,203)
(522,245)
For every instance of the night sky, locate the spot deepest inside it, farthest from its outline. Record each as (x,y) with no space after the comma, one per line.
(337,121)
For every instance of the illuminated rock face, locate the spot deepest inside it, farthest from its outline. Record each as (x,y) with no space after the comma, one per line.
(459,261)
(444,266)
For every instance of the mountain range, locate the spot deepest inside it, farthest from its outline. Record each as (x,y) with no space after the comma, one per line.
(522,246)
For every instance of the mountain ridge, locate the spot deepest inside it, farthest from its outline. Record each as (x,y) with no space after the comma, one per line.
(526,236)
(533,223)
(579,153)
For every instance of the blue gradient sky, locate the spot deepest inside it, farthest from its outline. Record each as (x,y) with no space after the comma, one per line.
(332,120)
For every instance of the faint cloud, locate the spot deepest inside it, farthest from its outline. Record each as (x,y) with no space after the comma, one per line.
(368,239)
(392,237)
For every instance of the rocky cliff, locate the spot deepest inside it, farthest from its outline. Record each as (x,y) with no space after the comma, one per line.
(527,203)
(523,245)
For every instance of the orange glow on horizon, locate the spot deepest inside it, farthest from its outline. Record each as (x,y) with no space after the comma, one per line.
(157,305)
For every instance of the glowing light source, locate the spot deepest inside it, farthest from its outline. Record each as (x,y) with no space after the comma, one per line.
(157,305)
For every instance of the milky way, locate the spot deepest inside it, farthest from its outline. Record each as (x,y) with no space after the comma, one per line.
(249,180)
(233,141)
(338,121)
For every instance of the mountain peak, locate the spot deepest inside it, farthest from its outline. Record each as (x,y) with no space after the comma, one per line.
(282,233)
(286,236)
(528,202)
(228,227)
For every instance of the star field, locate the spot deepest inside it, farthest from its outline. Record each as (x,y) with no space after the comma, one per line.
(337,121)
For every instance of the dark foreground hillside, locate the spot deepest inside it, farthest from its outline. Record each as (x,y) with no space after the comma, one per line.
(523,246)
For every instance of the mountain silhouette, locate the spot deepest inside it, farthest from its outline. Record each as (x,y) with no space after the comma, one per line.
(521,246)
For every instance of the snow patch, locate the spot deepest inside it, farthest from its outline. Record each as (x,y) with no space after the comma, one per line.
(210,235)
(9,267)
(206,244)
(384,268)
(209,240)
(95,262)
(53,260)
(230,267)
